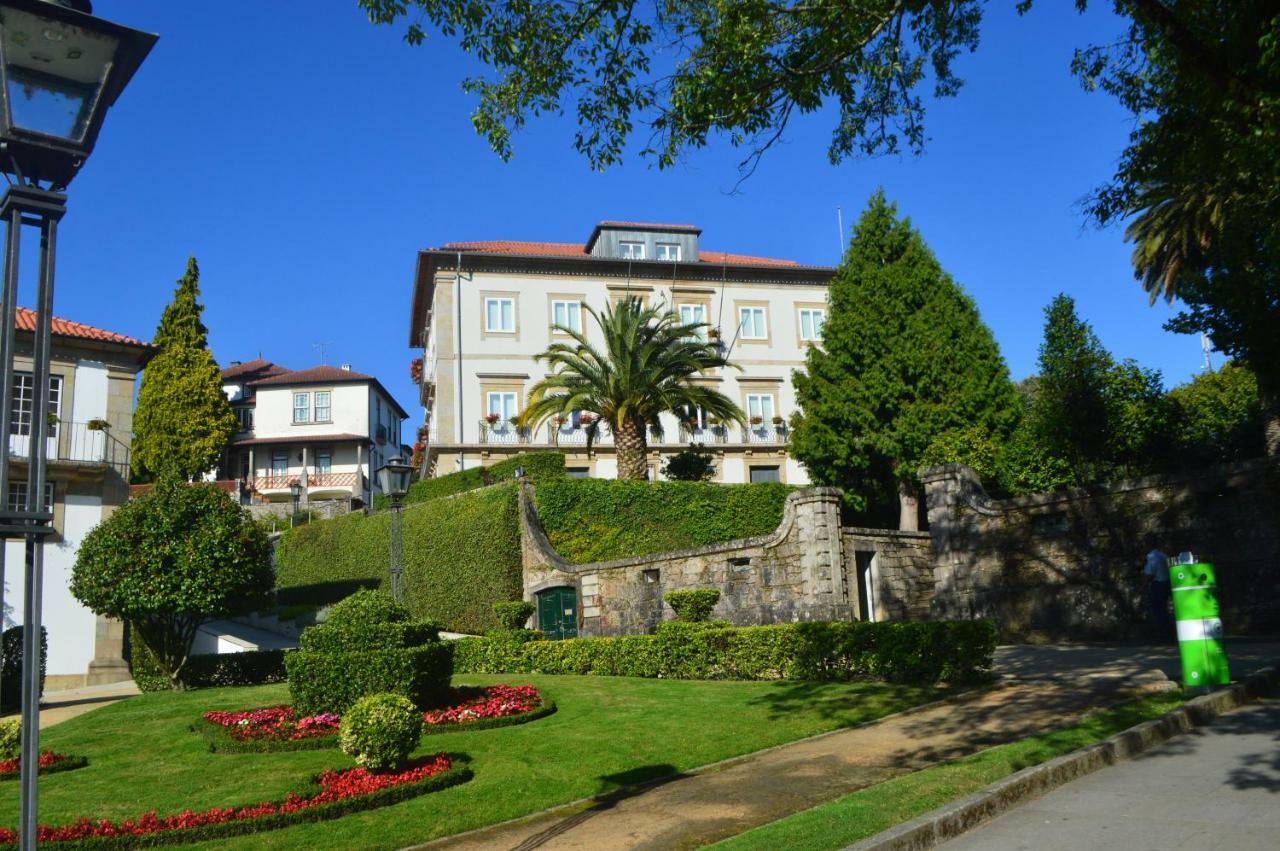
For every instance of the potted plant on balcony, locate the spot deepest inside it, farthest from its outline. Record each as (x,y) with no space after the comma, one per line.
(757,420)
(585,419)
(415,370)
(97,424)
(492,419)
(779,422)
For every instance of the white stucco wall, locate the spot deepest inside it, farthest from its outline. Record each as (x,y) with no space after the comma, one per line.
(89,401)
(273,414)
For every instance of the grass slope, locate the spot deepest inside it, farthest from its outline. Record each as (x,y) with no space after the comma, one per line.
(608,732)
(869,811)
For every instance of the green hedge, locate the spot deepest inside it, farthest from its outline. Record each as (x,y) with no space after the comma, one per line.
(897,651)
(11,666)
(538,467)
(331,682)
(368,636)
(205,670)
(590,520)
(461,556)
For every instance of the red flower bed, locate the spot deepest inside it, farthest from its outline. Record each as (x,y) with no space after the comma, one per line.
(47,759)
(335,786)
(276,723)
(488,702)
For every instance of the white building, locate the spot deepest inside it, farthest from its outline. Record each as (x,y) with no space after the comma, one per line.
(91,383)
(327,429)
(482,311)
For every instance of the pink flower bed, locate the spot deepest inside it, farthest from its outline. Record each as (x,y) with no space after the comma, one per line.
(490,702)
(334,786)
(277,723)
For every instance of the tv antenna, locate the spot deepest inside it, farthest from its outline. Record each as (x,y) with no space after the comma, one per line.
(323,348)
(839,234)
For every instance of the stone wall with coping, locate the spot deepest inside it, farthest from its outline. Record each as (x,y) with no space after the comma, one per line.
(805,570)
(899,567)
(1069,564)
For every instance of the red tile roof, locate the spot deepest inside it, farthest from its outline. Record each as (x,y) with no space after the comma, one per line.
(314,375)
(26,321)
(300,438)
(254,369)
(573,249)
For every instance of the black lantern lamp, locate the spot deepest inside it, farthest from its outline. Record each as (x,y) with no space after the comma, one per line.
(62,69)
(394,477)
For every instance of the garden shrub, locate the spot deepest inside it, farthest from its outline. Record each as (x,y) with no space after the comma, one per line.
(513,615)
(250,668)
(380,731)
(461,556)
(897,651)
(10,738)
(538,467)
(11,666)
(368,606)
(589,520)
(694,604)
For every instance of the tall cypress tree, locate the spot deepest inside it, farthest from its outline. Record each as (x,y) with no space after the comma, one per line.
(183,421)
(905,357)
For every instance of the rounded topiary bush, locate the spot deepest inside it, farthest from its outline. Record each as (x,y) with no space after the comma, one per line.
(693,605)
(513,615)
(368,607)
(10,738)
(380,731)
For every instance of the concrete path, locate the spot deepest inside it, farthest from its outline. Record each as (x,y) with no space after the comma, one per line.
(1217,787)
(692,810)
(1074,661)
(58,706)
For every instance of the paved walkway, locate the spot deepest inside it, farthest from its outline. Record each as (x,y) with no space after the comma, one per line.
(1217,787)
(692,810)
(1075,661)
(58,706)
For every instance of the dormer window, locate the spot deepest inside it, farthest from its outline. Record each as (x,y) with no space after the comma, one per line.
(629,250)
(669,251)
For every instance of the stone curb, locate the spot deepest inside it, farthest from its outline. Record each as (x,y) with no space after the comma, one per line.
(950,821)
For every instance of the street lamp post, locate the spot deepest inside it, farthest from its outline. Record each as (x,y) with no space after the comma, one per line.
(295,491)
(394,478)
(61,69)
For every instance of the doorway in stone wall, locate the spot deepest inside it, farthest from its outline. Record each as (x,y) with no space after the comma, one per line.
(863,561)
(558,612)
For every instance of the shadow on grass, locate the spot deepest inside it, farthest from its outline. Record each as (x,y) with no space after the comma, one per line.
(835,702)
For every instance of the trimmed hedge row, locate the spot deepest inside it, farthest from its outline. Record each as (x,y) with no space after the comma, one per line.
(11,665)
(589,520)
(332,682)
(460,556)
(206,670)
(897,651)
(538,467)
(368,636)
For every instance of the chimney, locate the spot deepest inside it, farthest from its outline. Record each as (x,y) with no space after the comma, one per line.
(346,367)
(236,362)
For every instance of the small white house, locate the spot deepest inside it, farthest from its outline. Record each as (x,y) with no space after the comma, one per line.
(327,429)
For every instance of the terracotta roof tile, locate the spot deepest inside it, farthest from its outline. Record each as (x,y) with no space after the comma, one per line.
(26,321)
(573,249)
(315,375)
(254,369)
(300,438)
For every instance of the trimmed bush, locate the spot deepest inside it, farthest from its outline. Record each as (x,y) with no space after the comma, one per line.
(513,615)
(11,666)
(380,731)
(589,520)
(10,738)
(920,652)
(461,556)
(250,668)
(538,467)
(368,606)
(368,636)
(332,682)
(694,604)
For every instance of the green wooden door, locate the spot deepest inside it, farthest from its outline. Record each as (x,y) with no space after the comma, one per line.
(558,613)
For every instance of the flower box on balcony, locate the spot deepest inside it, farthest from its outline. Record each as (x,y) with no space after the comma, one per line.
(97,425)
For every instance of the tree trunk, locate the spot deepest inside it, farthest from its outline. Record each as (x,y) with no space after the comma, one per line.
(1270,405)
(630,440)
(908,507)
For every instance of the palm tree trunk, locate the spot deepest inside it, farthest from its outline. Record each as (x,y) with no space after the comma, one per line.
(630,439)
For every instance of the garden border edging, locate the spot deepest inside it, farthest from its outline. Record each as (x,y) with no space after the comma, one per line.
(951,820)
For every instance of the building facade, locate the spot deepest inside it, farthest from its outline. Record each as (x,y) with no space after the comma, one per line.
(483,311)
(92,375)
(327,429)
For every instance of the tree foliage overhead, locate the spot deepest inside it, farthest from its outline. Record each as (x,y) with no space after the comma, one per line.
(649,366)
(1217,417)
(183,420)
(685,70)
(170,560)
(905,358)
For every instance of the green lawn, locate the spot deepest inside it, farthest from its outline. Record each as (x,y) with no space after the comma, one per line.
(869,811)
(608,732)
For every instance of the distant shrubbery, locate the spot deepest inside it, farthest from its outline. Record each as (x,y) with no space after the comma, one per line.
(537,466)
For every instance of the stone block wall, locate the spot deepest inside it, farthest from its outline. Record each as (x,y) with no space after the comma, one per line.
(889,573)
(1069,564)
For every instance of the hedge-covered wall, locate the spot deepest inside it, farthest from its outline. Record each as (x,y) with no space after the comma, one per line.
(461,556)
(590,520)
(538,467)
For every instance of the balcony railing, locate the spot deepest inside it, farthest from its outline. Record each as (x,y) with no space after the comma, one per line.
(309,479)
(551,434)
(765,434)
(333,480)
(77,442)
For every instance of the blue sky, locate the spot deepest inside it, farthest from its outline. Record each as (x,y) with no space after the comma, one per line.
(304,155)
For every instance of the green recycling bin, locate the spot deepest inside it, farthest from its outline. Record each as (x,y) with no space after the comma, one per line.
(1196,610)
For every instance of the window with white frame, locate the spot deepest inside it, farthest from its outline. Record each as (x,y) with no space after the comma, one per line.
(811,319)
(752,323)
(324,406)
(691,313)
(17,498)
(667,251)
(760,409)
(500,315)
(280,463)
(302,407)
(245,417)
(24,388)
(567,314)
(631,250)
(503,404)
(324,462)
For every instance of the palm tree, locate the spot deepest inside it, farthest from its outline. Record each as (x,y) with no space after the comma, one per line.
(1174,231)
(648,366)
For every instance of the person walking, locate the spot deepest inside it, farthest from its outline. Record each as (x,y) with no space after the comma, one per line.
(1155,589)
